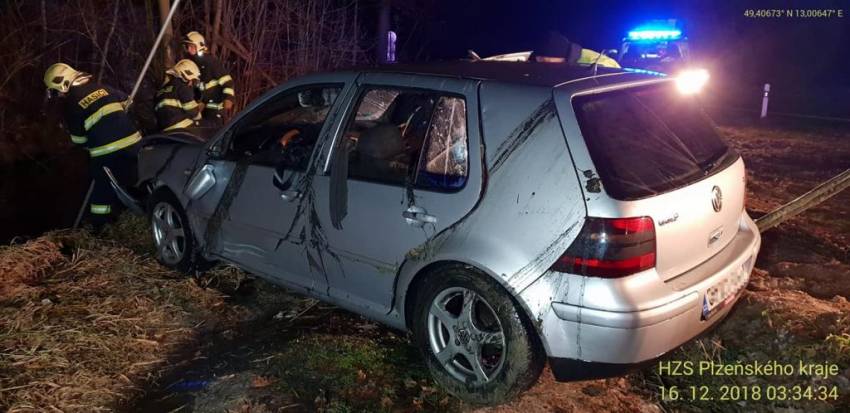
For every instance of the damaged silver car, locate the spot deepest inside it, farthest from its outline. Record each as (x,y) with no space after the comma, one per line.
(506,213)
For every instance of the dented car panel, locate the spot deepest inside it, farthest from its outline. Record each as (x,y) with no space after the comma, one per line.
(266,240)
(401,217)
(542,209)
(523,188)
(164,161)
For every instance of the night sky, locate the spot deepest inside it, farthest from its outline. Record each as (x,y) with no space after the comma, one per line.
(798,55)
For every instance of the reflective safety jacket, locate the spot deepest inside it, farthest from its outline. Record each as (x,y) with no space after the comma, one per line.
(589,57)
(176,107)
(216,84)
(95,117)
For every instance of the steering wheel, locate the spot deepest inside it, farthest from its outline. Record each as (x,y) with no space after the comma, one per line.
(282,141)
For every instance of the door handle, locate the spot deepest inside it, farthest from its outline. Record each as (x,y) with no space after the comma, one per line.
(290,195)
(417,216)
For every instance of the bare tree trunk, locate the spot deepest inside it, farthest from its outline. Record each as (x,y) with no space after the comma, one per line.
(206,15)
(383,28)
(105,51)
(164,8)
(216,26)
(43,23)
(356,33)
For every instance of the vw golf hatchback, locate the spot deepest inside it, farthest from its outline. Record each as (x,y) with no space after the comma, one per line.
(507,214)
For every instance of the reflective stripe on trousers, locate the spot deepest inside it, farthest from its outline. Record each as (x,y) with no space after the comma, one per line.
(100,209)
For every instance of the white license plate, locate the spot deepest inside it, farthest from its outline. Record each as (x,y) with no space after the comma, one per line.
(724,292)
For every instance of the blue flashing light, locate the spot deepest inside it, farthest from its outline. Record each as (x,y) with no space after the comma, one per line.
(644,71)
(655,34)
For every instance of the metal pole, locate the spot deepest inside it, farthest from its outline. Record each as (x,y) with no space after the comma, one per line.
(764,100)
(83,206)
(162,31)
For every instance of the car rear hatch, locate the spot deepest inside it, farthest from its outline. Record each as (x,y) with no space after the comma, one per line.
(658,155)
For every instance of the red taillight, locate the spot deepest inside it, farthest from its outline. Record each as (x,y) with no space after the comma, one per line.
(610,248)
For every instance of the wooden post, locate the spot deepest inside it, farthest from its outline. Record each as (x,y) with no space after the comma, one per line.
(812,198)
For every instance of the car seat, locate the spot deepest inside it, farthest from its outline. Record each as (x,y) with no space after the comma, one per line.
(379,152)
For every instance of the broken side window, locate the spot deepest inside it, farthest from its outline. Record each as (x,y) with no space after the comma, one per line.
(444,161)
(374,104)
(391,128)
(387,133)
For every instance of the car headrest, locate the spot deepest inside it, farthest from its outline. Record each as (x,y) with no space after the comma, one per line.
(406,104)
(382,142)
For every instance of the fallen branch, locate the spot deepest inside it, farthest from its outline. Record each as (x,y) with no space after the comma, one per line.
(808,200)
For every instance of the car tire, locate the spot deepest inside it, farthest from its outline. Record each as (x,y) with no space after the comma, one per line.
(173,238)
(444,322)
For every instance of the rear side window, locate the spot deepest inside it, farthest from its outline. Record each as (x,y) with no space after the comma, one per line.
(401,136)
(649,140)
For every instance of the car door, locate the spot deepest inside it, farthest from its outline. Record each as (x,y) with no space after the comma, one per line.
(396,195)
(268,152)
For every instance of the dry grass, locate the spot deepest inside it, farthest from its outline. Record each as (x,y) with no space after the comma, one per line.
(24,266)
(86,323)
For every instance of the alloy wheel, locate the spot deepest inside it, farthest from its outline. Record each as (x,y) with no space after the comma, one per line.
(168,233)
(466,336)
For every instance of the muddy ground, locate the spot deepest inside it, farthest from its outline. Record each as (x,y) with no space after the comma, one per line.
(227,342)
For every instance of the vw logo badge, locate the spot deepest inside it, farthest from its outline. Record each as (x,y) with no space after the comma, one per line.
(716,199)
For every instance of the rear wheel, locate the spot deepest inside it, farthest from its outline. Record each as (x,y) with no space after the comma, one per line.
(172,235)
(475,341)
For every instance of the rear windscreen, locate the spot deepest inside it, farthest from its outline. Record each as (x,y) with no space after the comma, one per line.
(649,140)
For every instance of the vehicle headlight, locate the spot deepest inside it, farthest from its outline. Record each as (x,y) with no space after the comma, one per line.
(691,81)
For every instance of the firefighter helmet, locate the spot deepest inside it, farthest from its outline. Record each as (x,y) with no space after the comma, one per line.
(196,39)
(186,70)
(60,77)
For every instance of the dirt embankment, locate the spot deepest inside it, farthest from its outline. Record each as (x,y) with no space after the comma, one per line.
(89,324)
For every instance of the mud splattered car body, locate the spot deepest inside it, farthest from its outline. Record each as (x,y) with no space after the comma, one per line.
(508,185)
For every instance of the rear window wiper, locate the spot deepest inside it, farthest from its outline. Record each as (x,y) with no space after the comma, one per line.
(709,165)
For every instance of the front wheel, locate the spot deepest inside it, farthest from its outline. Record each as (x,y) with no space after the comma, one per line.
(172,235)
(476,343)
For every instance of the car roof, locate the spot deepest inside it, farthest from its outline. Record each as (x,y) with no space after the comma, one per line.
(528,73)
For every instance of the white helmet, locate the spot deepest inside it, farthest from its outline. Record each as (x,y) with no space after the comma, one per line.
(60,77)
(196,39)
(186,70)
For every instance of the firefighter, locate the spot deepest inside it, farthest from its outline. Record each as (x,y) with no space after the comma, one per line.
(176,107)
(216,85)
(559,49)
(95,117)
